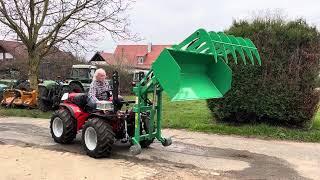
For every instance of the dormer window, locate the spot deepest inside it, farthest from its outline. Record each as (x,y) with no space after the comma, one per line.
(140,59)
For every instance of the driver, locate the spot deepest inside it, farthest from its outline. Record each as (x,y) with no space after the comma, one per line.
(99,88)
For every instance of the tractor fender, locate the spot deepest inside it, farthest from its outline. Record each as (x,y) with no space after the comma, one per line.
(48,84)
(67,106)
(77,83)
(77,114)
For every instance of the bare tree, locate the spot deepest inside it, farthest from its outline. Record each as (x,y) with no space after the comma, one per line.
(43,25)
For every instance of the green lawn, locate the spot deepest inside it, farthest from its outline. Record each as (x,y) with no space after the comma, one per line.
(195,116)
(35,113)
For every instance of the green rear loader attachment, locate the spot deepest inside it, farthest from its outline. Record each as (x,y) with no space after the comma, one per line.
(195,69)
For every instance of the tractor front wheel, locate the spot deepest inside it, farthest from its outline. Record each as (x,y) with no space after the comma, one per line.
(97,138)
(144,130)
(63,127)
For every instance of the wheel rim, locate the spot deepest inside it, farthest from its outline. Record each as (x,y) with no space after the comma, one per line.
(57,127)
(90,138)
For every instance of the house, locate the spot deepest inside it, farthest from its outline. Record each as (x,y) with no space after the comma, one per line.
(14,55)
(134,58)
(10,50)
(101,58)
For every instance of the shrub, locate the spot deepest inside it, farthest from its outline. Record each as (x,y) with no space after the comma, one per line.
(282,89)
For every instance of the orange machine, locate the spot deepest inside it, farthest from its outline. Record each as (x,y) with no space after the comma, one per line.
(16,97)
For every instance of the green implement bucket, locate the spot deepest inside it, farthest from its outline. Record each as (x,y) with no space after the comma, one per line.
(197,68)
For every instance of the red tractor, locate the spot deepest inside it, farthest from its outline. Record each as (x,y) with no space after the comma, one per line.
(101,127)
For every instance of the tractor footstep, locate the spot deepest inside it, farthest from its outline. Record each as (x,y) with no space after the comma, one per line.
(135,149)
(167,142)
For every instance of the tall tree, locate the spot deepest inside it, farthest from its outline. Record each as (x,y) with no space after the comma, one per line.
(43,25)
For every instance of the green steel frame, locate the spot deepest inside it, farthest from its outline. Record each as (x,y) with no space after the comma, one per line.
(148,86)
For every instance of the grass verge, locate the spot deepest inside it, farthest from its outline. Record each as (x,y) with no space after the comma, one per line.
(34,113)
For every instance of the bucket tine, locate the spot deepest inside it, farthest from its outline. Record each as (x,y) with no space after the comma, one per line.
(246,49)
(200,37)
(238,48)
(253,50)
(228,46)
(218,43)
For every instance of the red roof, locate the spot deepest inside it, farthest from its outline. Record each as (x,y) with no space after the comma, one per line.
(128,54)
(108,57)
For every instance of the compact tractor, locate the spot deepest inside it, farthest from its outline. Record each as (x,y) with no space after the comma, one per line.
(195,69)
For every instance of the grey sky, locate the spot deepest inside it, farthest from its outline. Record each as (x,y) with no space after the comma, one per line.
(170,21)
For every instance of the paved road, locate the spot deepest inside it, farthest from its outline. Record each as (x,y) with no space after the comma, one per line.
(28,152)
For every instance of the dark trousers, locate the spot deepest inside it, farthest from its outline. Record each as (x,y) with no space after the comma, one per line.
(92,104)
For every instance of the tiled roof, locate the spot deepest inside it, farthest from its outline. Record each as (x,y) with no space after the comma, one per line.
(19,51)
(128,55)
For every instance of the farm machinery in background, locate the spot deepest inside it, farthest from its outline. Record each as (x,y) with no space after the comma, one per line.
(195,69)
(51,91)
(18,93)
(2,88)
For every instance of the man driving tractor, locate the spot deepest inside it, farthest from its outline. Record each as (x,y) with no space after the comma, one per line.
(99,88)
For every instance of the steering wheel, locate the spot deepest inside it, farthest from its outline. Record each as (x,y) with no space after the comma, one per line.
(106,94)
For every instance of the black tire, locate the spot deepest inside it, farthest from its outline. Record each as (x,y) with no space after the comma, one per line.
(75,87)
(42,104)
(105,138)
(69,126)
(1,96)
(23,85)
(144,130)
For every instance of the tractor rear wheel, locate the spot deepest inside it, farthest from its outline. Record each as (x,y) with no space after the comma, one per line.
(1,96)
(97,138)
(63,127)
(42,104)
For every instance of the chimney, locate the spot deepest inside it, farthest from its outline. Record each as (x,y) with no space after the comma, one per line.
(149,47)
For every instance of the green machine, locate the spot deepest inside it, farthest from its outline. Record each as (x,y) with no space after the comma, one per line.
(195,69)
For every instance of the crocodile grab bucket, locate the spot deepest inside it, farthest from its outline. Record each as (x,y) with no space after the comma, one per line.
(197,68)
(191,76)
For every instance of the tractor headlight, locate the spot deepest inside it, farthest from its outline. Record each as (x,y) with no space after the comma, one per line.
(64,96)
(105,105)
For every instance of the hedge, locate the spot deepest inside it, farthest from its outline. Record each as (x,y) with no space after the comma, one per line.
(282,90)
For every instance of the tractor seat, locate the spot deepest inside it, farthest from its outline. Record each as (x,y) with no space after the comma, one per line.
(80,99)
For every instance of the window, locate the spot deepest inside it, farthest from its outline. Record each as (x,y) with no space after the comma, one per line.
(140,59)
(7,55)
(136,77)
(80,73)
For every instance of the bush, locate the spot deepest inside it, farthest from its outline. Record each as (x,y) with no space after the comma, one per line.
(282,89)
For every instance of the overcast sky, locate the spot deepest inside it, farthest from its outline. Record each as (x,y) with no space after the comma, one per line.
(170,21)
